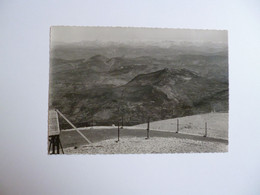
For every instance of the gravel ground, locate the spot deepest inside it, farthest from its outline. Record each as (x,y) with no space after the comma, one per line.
(137,145)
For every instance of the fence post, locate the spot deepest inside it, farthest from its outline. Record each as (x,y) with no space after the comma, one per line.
(122,121)
(118,132)
(206,130)
(177,126)
(148,128)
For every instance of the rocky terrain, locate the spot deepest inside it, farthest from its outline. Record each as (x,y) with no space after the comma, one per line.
(135,88)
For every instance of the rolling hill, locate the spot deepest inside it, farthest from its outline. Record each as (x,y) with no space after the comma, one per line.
(165,93)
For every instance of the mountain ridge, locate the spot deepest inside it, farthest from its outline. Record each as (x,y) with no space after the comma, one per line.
(162,94)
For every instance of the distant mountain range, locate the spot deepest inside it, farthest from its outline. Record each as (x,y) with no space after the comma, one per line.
(135,88)
(157,49)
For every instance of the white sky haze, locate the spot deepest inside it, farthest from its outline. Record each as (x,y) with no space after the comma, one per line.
(68,34)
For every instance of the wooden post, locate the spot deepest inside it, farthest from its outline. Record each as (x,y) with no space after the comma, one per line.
(49,146)
(122,118)
(148,128)
(148,123)
(118,132)
(206,130)
(61,147)
(177,126)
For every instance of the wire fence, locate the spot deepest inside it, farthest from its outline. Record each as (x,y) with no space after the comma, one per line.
(201,128)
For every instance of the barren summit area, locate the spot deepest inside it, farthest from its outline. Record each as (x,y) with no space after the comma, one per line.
(135,145)
(163,138)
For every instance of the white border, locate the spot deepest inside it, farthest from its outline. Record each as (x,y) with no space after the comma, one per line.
(25,167)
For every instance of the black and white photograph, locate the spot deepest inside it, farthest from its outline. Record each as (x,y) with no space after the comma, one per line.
(130,97)
(125,90)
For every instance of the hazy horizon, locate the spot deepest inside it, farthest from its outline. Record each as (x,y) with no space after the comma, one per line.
(72,34)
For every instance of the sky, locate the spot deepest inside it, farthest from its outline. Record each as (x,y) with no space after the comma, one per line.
(69,34)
